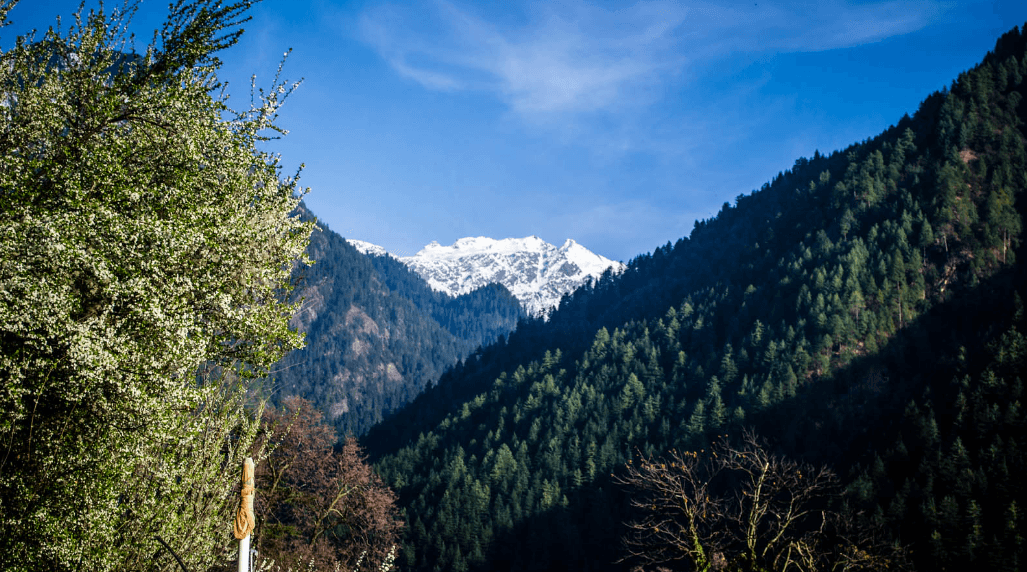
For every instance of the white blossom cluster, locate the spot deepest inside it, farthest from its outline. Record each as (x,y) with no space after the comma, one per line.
(143,235)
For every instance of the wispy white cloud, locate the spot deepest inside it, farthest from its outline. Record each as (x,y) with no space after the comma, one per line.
(815,26)
(578,58)
(570,59)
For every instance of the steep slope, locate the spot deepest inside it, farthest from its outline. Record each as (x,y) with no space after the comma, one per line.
(377,334)
(860,310)
(537,273)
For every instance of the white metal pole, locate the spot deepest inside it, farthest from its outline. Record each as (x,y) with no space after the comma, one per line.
(244,554)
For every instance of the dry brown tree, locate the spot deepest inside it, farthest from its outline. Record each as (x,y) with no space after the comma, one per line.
(743,508)
(318,505)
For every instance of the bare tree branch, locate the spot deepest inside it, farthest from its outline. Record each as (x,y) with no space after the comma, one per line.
(318,505)
(743,508)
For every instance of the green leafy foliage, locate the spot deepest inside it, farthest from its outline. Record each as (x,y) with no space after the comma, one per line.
(143,235)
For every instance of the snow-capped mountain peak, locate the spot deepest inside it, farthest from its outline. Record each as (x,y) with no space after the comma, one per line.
(536,272)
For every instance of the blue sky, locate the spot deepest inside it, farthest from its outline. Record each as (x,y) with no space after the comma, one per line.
(617,124)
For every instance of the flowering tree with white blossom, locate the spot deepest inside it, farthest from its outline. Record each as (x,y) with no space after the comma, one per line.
(144,237)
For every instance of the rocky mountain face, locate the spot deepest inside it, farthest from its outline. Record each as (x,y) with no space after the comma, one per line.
(377,334)
(537,273)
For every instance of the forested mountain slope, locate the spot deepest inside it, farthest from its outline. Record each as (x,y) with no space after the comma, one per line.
(377,334)
(863,310)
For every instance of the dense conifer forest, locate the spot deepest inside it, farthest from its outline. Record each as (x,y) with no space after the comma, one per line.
(863,311)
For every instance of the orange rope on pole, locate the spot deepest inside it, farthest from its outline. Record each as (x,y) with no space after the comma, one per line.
(244,520)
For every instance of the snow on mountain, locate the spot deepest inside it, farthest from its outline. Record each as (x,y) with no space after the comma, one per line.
(367,247)
(536,273)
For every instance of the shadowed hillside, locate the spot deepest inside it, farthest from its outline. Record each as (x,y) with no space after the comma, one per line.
(863,309)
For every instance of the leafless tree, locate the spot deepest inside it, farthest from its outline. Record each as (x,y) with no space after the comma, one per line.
(316,504)
(743,508)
